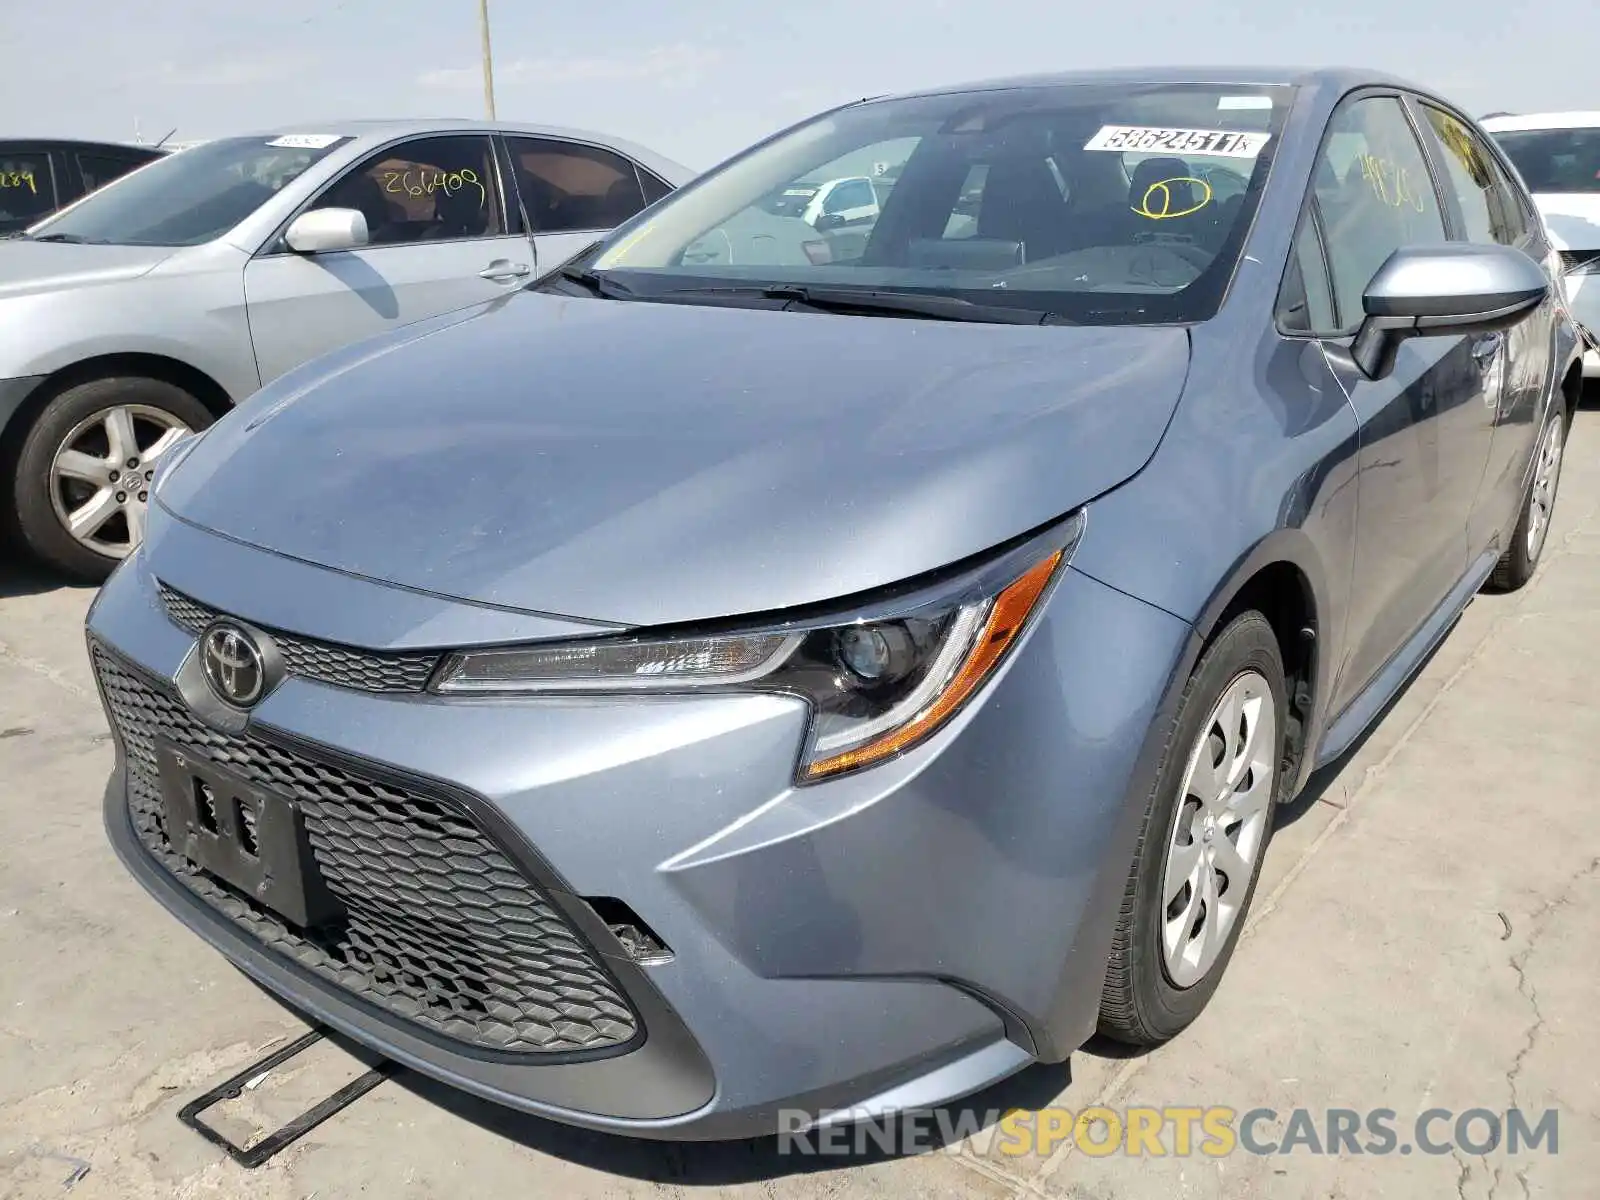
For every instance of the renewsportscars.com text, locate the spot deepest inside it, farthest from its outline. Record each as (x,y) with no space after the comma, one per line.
(1179,1130)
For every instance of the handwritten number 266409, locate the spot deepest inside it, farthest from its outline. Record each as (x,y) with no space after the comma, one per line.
(427,182)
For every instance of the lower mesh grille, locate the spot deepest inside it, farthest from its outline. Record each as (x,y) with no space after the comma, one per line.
(440,926)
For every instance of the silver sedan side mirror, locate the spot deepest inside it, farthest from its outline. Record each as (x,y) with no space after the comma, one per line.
(324,230)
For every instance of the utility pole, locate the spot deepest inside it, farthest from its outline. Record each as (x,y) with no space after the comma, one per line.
(488,58)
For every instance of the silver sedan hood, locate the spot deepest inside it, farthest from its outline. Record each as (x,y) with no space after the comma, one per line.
(651,463)
(28,267)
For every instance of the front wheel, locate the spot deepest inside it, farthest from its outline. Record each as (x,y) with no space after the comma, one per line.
(83,474)
(1206,827)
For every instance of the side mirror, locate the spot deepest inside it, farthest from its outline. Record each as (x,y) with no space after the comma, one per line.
(828,221)
(323,230)
(1444,290)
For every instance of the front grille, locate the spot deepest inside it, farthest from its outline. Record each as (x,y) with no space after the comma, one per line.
(439,926)
(342,666)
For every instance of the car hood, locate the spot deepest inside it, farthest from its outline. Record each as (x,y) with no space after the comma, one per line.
(27,267)
(652,463)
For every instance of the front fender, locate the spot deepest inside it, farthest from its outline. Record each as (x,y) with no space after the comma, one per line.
(190,309)
(13,392)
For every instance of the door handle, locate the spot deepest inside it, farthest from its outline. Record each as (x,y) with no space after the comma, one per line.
(504,271)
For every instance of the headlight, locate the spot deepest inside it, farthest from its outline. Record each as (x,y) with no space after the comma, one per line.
(879,680)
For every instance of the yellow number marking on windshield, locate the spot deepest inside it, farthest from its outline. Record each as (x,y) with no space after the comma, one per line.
(19,179)
(1156,204)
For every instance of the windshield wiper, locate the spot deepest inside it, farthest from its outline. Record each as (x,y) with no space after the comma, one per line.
(911,304)
(73,238)
(873,303)
(595,283)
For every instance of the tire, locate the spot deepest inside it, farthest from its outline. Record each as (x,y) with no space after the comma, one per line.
(39,500)
(1150,998)
(1521,557)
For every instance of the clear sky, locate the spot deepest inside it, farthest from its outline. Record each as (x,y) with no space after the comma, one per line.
(699,79)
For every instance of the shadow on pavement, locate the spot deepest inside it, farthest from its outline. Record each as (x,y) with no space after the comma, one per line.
(1323,778)
(713,1164)
(20,577)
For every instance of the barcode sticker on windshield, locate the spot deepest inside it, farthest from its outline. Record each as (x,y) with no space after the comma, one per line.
(1226,143)
(304,141)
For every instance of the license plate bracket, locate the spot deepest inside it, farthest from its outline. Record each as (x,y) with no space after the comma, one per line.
(249,837)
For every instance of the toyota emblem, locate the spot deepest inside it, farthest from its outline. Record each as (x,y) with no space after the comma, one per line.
(233,665)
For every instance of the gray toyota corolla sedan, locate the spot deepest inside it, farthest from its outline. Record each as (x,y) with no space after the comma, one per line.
(702,685)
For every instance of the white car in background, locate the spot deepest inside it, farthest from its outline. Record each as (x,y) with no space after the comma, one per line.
(1558,157)
(805,222)
(834,204)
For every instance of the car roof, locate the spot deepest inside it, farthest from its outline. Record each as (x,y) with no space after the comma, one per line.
(1550,120)
(377,129)
(84,143)
(1336,79)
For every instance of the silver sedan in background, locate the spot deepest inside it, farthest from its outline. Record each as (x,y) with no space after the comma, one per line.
(149,308)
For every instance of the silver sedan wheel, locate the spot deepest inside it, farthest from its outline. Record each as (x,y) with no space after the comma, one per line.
(1546,475)
(100,475)
(1219,827)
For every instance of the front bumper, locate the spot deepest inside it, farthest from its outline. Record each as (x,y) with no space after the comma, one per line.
(887,941)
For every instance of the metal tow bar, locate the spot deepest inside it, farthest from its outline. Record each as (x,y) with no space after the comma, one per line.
(274,1142)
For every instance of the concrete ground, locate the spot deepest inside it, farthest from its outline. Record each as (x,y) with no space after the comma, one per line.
(1425,936)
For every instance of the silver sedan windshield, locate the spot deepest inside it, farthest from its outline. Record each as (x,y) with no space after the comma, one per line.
(192,196)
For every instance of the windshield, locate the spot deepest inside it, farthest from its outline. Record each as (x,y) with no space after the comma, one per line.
(192,196)
(1555,160)
(1096,204)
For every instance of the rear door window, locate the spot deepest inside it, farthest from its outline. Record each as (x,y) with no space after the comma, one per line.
(569,188)
(1489,206)
(27,186)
